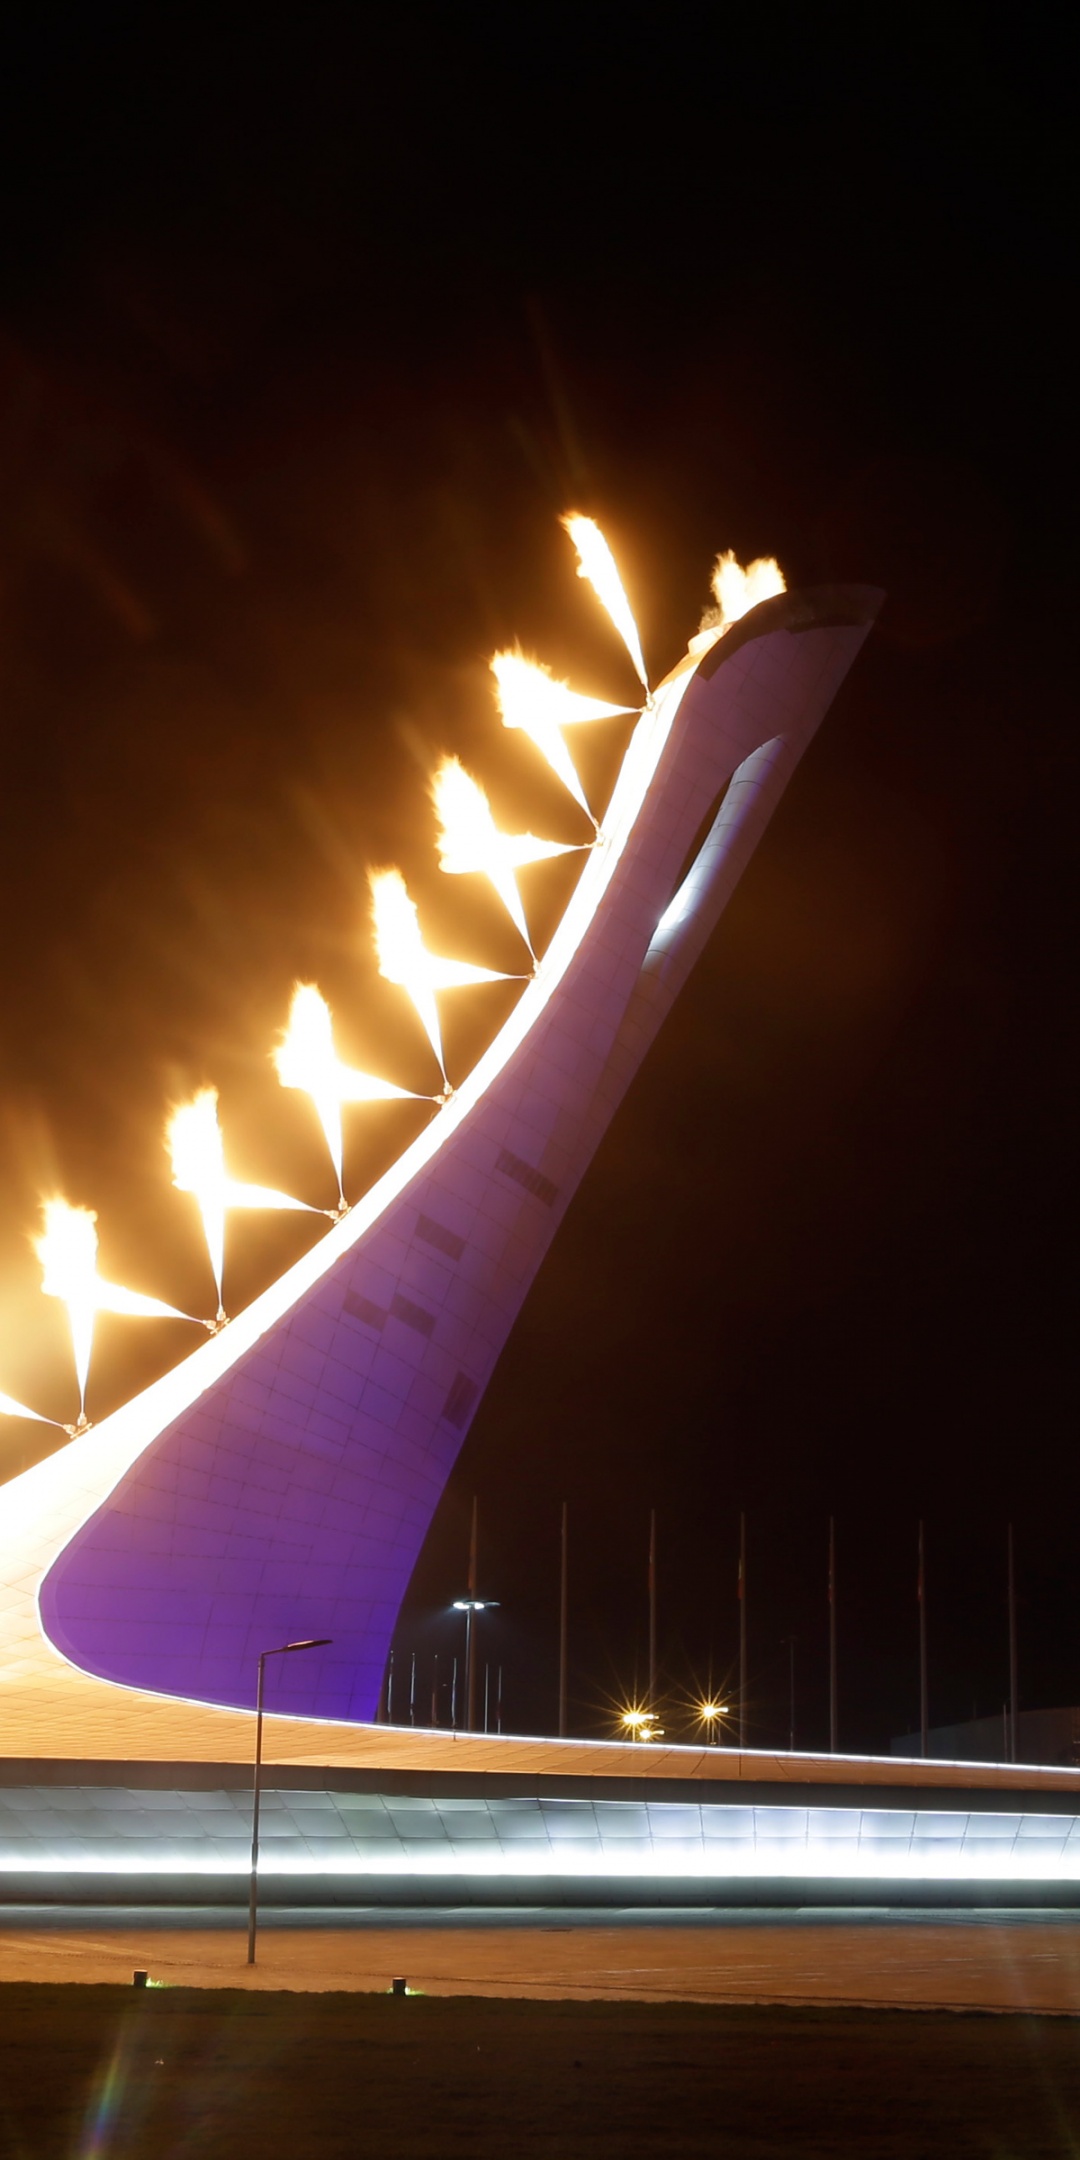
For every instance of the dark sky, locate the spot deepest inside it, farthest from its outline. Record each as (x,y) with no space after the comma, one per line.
(308,330)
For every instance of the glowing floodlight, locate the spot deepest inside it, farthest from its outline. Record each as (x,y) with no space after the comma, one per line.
(405,960)
(306,1059)
(530,698)
(470,840)
(67,1250)
(710,1713)
(596,563)
(198,1160)
(641,1724)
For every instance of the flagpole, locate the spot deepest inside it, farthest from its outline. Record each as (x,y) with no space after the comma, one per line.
(742,1630)
(1012,1649)
(563,1573)
(652,1609)
(924,1696)
(470,1661)
(832,1637)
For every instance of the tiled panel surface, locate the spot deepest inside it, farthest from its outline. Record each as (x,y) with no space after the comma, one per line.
(304,1829)
(293,1498)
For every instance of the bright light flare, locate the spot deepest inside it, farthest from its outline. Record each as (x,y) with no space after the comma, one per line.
(198,1160)
(596,563)
(67,1250)
(405,960)
(640,1724)
(530,698)
(470,840)
(306,1059)
(711,1712)
(736,589)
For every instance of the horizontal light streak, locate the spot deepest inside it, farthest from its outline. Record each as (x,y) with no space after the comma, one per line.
(787,1860)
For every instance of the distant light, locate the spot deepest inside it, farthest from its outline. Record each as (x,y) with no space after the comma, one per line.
(475,1604)
(708,1712)
(641,1724)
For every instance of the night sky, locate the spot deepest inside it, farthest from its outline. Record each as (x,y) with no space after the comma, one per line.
(309,328)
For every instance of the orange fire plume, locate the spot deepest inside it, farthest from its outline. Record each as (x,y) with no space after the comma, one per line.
(198,1159)
(596,564)
(405,960)
(736,589)
(306,1059)
(67,1250)
(470,840)
(530,698)
(10,1408)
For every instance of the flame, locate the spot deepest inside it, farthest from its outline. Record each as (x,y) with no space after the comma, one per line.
(736,590)
(198,1159)
(531,699)
(10,1408)
(470,840)
(306,1059)
(67,1250)
(404,958)
(597,563)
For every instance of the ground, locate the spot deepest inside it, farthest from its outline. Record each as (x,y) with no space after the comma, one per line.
(997,1960)
(98,2071)
(601,2035)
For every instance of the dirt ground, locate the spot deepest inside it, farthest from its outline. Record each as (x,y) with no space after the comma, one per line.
(93,2072)
(994,1961)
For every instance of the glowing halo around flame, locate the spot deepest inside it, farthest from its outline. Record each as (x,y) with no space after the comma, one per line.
(306,1059)
(67,1250)
(470,840)
(405,960)
(198,1160)
(530,698)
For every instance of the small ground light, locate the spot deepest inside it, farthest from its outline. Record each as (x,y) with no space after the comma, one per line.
(399,1987)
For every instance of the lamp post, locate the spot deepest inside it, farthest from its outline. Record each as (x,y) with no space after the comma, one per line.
(470,1606)
(641,1725)
(710,1713)
(789,1642)
(318,1642)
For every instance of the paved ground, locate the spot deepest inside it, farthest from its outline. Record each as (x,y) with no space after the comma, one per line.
(991,1961)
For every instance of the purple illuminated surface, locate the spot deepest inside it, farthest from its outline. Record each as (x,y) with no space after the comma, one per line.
(292,1500)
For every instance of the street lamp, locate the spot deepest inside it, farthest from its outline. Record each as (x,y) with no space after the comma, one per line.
(710,1714)
(469,1606)
(641,1725)
(318,1642)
